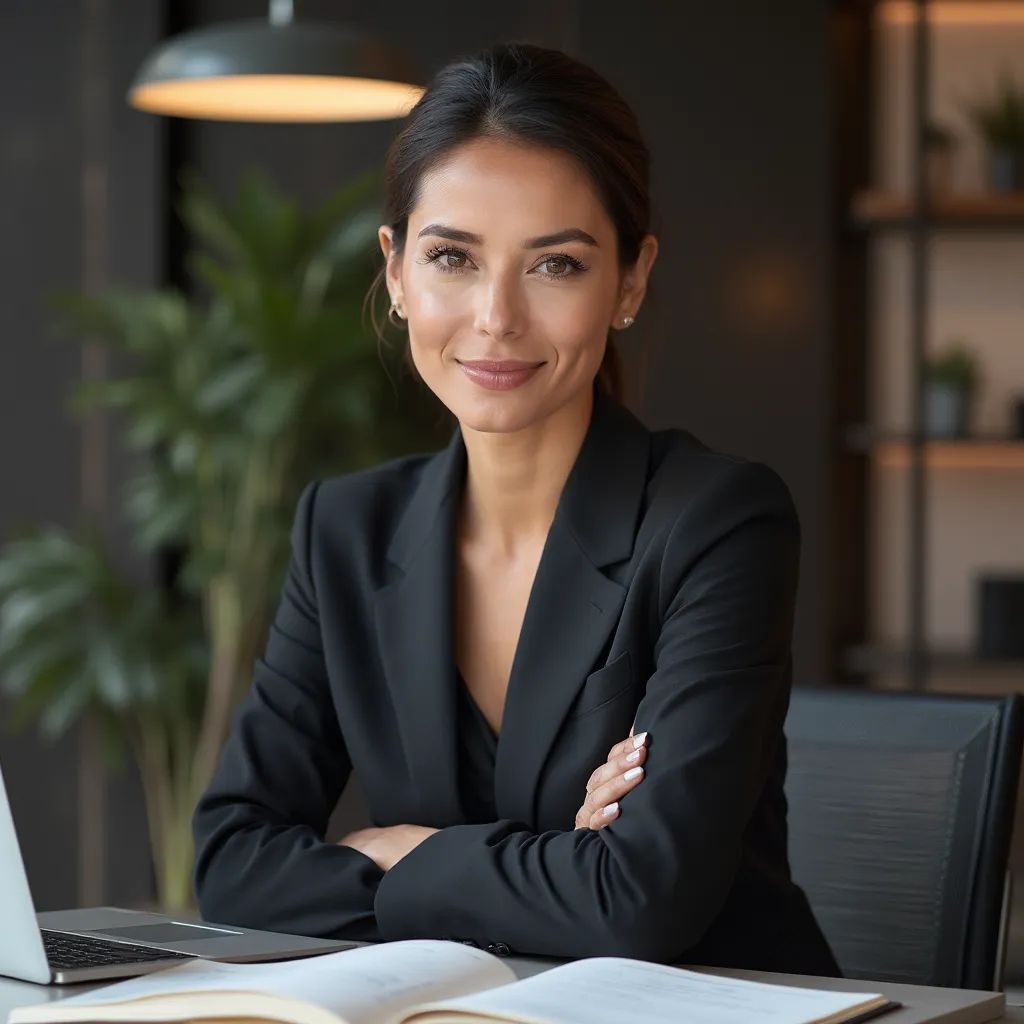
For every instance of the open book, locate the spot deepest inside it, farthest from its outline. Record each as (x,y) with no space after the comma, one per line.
(430,981)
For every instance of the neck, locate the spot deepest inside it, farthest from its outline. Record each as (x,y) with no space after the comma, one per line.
(514,480)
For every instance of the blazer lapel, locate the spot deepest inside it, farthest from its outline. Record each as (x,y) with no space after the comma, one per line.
(571,612)
(573,605)
(414,629)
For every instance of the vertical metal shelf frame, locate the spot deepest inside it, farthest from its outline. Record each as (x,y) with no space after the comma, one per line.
(916,653)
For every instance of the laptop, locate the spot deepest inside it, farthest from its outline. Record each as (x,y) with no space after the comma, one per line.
(63,946)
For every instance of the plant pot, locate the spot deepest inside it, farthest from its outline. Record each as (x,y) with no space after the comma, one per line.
(946,410)
(1006,170)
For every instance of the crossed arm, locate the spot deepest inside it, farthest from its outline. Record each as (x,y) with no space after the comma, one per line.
(647,883)
(621,772)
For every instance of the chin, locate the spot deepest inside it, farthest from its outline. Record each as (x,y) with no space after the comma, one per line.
(496,412)
(501,416)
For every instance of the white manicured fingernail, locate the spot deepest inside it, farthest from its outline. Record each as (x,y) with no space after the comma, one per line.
(638,739)
(633,756)
(633,772)
(611,809)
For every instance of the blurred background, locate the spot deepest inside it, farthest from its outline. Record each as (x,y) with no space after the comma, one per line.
(839,196)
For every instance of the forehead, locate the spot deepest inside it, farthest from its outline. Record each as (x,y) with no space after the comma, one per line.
(502,190)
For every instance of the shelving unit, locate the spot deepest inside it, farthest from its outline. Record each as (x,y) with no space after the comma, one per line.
(869,212)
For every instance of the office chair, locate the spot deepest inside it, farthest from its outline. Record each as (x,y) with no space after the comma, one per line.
(901,808)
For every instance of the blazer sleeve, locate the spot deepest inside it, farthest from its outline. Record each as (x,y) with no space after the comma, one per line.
(649,884)
(261,858)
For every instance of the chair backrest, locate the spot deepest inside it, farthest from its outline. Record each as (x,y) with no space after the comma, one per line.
(901,808)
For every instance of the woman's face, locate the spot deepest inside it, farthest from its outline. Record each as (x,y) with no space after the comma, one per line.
(509,258)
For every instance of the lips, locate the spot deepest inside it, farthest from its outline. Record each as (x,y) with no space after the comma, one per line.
(498,374)
(499,365)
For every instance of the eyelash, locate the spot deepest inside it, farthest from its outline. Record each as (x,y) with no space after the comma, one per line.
(432,256)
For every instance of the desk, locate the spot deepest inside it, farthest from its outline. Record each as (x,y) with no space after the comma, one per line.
(921,1004)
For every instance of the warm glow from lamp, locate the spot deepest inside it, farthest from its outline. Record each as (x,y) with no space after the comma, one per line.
(278,98)
(277,69)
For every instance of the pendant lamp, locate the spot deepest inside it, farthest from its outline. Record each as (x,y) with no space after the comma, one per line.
(276,70)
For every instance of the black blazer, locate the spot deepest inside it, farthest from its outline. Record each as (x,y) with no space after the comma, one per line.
(664,594)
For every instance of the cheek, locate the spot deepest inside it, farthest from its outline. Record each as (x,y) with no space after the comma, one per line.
(434,313)
(432,296)
(578,345)
(577,328)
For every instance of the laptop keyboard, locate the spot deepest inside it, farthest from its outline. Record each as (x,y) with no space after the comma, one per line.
(64,950)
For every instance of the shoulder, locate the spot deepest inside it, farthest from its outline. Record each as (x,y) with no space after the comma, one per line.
(376,490)
(691,481)
(717,516)
(356,512)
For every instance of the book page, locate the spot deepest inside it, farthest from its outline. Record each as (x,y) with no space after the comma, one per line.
(365,985)
(610,990)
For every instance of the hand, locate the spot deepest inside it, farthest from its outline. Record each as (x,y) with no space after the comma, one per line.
(608,784)
(387,846)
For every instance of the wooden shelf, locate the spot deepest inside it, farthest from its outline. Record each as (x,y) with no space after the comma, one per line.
(869,658)
(952,454)
(953,12)
(874,209)
(975,451)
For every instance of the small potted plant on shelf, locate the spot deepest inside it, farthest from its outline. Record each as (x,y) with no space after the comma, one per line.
(950,379)
(999,118)
(940,148)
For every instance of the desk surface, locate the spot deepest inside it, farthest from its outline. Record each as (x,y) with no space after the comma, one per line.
(921,1003)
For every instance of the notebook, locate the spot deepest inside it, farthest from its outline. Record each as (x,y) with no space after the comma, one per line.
(430,981)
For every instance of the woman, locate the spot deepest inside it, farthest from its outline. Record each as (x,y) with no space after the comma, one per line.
(494,635)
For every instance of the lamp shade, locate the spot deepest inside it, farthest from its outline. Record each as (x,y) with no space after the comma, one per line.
(254,70)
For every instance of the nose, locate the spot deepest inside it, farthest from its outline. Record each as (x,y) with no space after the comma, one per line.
(499,307)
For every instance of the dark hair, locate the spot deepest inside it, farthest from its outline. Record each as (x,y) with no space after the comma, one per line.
(533,95)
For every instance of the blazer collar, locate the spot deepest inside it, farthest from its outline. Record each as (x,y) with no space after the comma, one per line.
(570,618)
(599,503)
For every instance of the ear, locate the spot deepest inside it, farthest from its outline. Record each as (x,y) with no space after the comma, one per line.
(634,280)
(393,268)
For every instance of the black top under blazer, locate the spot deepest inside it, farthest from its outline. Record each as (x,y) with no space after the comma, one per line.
(664,595)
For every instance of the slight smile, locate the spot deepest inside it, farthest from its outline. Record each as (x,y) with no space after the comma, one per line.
(499,374)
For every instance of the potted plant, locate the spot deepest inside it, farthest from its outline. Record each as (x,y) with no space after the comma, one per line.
(950,379)
(234,401)
(999,118)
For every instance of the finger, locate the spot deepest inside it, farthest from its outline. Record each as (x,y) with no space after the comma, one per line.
(616,766)
(605,816)
(594,819)
(613,790)
(631,742)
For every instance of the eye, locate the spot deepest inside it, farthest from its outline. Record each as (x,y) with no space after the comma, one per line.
(441,255)
(561,261)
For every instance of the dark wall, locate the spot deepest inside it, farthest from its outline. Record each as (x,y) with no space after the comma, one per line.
(81,181)
(732,343)
(733,99)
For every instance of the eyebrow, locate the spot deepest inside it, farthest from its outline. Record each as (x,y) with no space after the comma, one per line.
(457,235)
